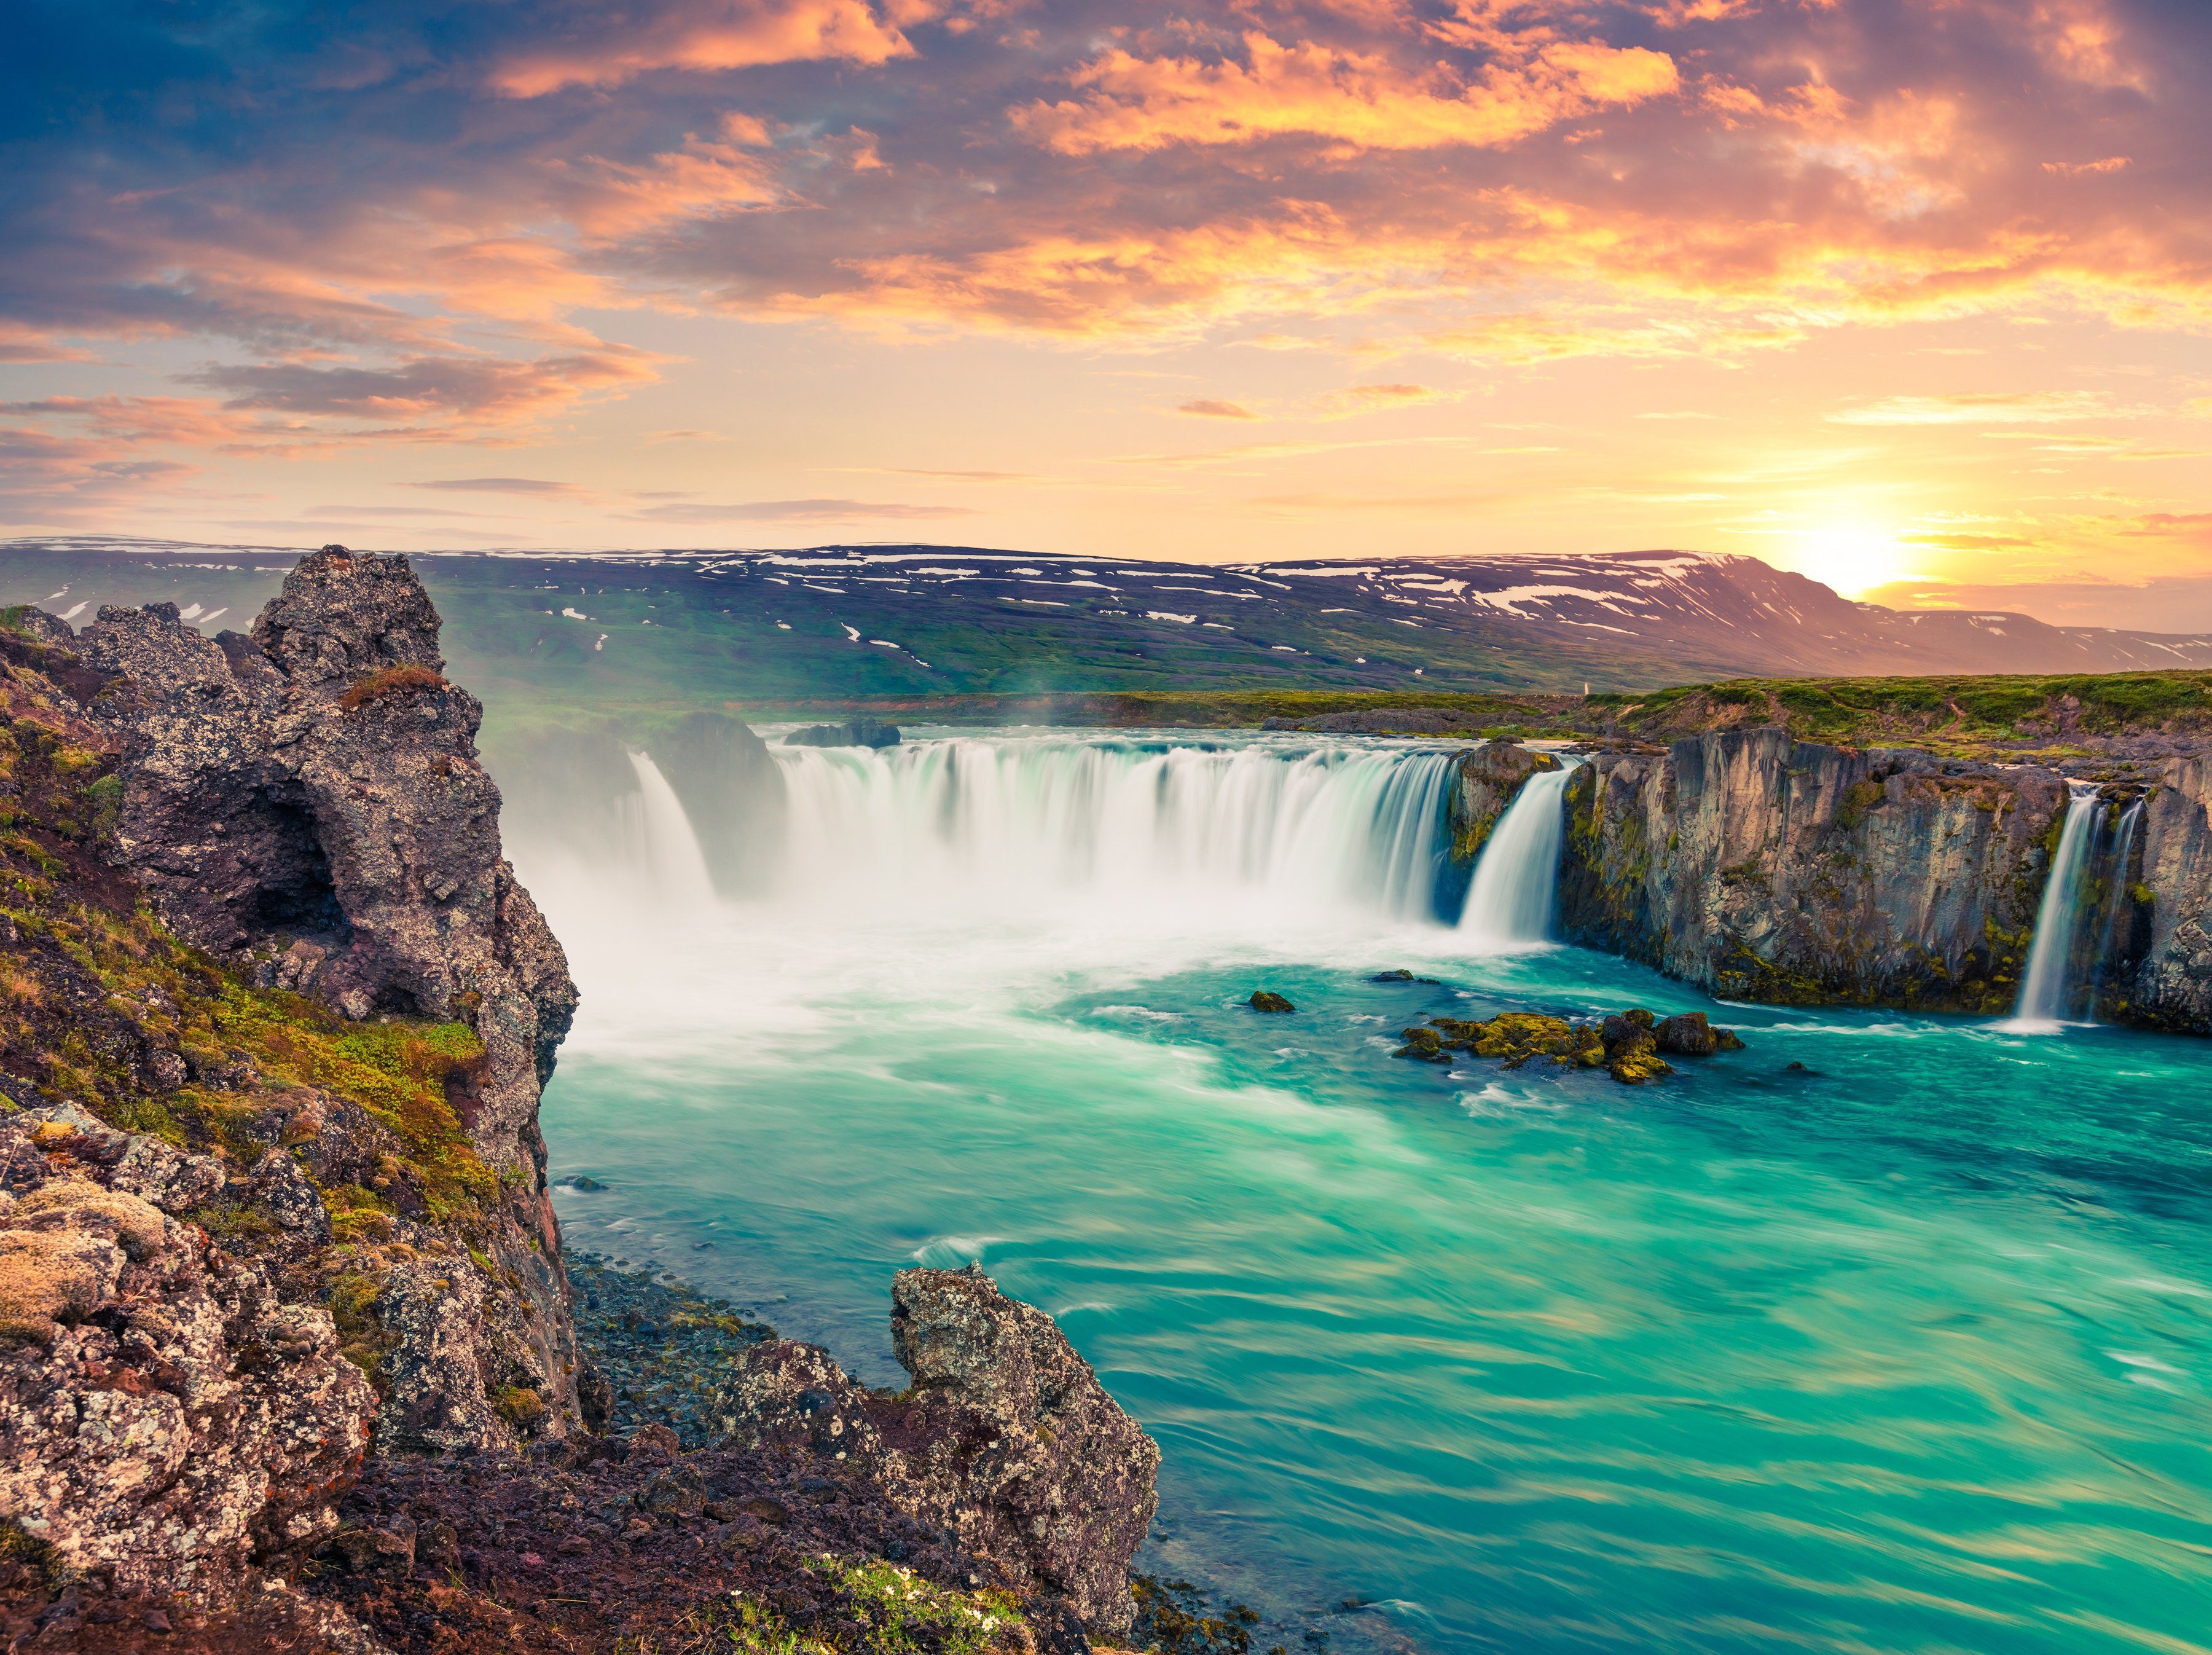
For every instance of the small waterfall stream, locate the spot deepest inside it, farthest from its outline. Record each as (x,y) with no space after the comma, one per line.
(2044,993)
(1517,880)
(666,845)
(2116,901)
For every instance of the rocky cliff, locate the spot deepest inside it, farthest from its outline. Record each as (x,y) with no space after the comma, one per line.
(306,805)
(1760,868)
(286,1354)
(2164,974)
(1486,781)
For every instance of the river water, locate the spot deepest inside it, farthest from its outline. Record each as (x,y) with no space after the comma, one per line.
(1905,1350)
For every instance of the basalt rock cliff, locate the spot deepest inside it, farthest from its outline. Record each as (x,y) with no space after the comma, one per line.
(1764,869)
(2163,976)
(1485,783)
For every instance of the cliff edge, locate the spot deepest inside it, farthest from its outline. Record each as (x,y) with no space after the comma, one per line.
(286,1351)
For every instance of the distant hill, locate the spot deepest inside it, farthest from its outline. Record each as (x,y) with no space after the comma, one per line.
(615,631)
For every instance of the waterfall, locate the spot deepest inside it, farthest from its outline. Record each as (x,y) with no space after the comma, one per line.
(2042,994)
(2116,901)
(1509,903)
(1169,833)
(662,842)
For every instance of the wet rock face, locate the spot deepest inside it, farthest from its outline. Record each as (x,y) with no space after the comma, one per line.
(1006,1438)
(2172,988)
(166,1414)
(1764,869)
(307,803)
(1490,777)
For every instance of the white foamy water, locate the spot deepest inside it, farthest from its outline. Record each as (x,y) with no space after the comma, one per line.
(2043,992)
(1517,879)
(1160,831)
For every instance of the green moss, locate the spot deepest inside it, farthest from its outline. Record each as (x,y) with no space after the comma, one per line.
(882,1610)
(1173,1618)
(24,1549)
(1859,801)
(229,1220)
(520,1406)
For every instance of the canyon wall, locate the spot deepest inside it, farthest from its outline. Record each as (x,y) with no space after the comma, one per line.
(2166,978)
(1764,869)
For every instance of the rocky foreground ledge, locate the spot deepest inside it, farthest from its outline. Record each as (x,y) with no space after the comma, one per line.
(288,1357)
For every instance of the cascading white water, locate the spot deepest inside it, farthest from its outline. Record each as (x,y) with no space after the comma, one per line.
(1131,829)
(1510,902)
(2116,901)
(2043,992)
(664,847)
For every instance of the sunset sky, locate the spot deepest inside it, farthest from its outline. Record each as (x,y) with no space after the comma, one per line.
(1903,294)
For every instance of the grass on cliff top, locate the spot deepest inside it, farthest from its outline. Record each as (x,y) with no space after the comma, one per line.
(1954,712)
(1959,713)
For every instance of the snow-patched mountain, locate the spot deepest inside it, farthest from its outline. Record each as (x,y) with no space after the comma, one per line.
(1737,608)
(901,620)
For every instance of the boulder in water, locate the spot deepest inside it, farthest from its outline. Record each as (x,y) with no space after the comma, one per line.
(1688,1034)
(1632,1049)
(1263,1001)
(1426,1044)
(854,732)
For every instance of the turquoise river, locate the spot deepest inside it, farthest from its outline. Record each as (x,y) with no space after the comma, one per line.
(1902,1353)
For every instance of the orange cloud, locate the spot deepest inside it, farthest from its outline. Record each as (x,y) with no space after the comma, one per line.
(1214,408)
(607,199)
(2085,169)
(726,34)
(1314,90)
(1372,398)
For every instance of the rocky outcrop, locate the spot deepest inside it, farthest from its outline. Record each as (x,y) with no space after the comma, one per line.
(1488,778)
(2171,986)
(1764,869)
(168,1412)
(854,732)
(306,804)
(1006,1438)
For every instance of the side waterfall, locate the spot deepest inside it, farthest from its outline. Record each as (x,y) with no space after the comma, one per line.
(2043,993)
(662,843)
(1517,879)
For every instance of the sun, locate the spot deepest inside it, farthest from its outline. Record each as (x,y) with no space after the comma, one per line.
(1849,559)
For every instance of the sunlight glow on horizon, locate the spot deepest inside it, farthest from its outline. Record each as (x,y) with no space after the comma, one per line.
(1848,559)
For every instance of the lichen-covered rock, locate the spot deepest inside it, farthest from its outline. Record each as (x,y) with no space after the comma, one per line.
(1764,869)
(438,1400)
(308,804)
(166,1414)
(1006,1438)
